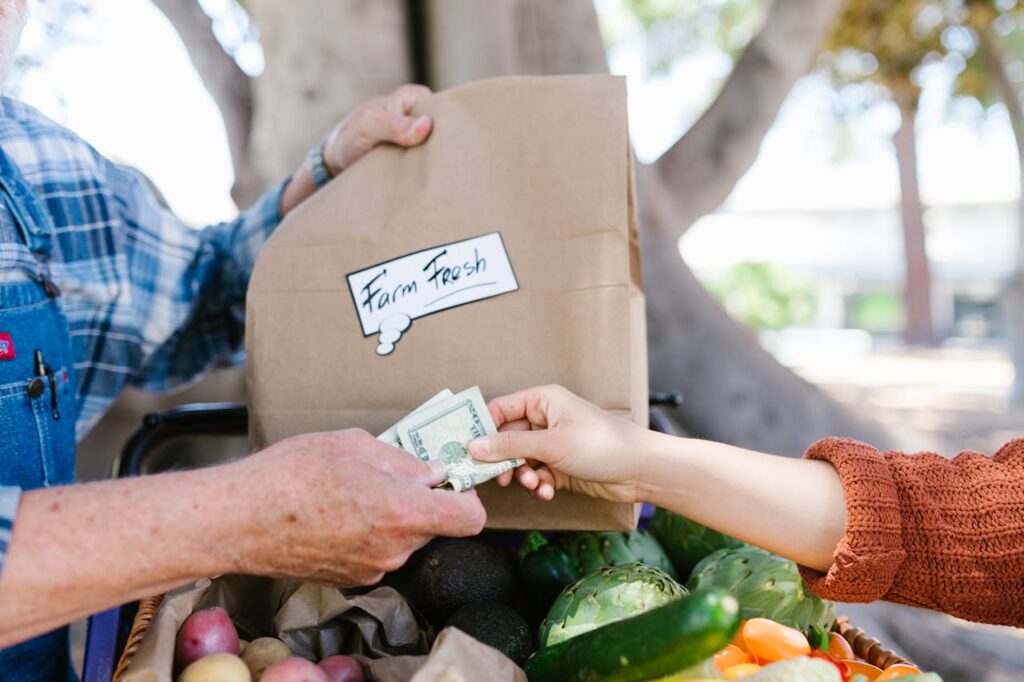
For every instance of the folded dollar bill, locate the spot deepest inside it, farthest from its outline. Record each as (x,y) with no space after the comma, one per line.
(391,435)
(441,429)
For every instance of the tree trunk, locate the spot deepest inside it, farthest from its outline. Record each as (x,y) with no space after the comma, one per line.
(468,39)
(322,60)
(706,163)
(996,65)
(734,390)
(230,87)
(917,286)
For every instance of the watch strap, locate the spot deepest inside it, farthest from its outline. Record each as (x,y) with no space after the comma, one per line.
(321,171)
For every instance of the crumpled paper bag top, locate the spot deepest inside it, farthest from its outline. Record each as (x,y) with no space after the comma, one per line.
(377,626)
(457,657)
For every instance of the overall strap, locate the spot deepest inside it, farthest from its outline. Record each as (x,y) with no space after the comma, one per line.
(32,221)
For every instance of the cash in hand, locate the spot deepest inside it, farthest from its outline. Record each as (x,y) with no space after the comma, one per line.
(441,429)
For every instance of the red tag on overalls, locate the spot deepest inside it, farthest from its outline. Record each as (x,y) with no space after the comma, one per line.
(6,346)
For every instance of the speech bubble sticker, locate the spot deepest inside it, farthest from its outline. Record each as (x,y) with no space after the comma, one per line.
(396,323)
(390,295)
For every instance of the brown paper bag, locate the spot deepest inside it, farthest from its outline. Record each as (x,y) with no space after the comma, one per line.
(316,621)
(501,253)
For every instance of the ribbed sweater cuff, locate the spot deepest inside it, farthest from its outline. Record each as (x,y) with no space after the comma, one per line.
(870,554)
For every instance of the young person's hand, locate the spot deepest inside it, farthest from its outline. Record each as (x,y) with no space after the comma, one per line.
(573,445)
(568,444)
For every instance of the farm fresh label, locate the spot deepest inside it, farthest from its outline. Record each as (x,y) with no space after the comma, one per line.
(390,295)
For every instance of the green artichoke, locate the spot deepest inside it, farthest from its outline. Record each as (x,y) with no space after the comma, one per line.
(686,541)
(607,595)
(592,550)
(766,586)
(547,567)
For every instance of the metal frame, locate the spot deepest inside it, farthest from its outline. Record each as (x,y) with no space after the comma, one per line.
(197,419)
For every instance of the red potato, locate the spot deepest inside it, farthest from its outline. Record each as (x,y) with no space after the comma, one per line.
(294,669)
(342,669)
(205,632)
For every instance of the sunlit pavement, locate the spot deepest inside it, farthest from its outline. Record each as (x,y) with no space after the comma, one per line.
(942,399)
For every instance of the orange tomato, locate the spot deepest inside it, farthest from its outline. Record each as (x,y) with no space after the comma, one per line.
(739,671)
(732,655)
(861,668)
(839,648)
(737,640)
(898,670)
(770,641)
(844,670)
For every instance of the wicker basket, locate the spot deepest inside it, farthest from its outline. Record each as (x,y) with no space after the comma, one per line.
(143,617)
(866,648)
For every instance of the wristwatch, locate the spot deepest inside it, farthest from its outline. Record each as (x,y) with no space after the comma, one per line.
(318,164)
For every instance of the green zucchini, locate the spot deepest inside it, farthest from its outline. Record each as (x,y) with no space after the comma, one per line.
(651,645)
(545,570)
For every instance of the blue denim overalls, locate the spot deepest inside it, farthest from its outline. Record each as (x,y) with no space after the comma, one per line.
(37,399)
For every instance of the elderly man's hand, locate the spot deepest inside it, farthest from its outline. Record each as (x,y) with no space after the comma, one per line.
(387,119)
(344,508)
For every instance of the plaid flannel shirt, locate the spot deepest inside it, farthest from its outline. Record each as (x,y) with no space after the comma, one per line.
(150,301)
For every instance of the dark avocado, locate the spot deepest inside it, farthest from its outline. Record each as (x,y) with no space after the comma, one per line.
(458,572)
(496,625)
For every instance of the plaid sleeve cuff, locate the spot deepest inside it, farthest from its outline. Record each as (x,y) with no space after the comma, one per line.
(9,498)
(256,224)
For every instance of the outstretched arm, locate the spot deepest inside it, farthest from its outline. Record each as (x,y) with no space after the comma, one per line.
(336,507)
(917,529)
(789,506)
(792,507)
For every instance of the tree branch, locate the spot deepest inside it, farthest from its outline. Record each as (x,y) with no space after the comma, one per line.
(511,37)
(1008,93)
(994,60)
(704,165)
(734,390)
(230,87)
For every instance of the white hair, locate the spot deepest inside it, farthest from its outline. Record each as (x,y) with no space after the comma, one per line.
(13,16)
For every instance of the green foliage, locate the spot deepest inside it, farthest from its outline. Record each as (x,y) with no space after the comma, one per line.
(1003,22)
(881,44)
(765,296)
(885,42)
(672,29)
(878,313)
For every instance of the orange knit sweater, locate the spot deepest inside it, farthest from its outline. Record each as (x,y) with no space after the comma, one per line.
(945,534)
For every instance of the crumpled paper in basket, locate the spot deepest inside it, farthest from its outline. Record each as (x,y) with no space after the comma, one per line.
(457,657)
(316,621)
